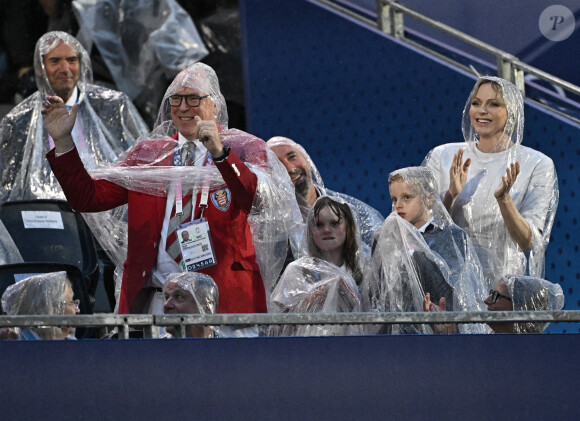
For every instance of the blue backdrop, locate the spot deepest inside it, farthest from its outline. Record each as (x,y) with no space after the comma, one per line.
(460,377)
(364,104)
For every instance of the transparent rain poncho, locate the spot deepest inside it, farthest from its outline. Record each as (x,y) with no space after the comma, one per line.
(202,78)
(449,242)
(408,263)
(535,192)
(142,42)
(402,269)
(107,124)
(202,288)
(42,294)
(9,253)
(369,219)
(529,293)
(148,168)
(313,284)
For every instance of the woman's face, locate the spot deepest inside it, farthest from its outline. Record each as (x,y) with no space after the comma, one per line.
(69,305)
(488,116)
(329,232)
(69,308)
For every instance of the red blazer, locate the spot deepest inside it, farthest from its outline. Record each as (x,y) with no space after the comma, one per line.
(237,274)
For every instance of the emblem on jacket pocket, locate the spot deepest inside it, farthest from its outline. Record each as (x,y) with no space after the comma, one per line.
(221,199)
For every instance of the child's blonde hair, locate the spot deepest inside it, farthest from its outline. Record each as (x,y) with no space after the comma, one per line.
(420,178)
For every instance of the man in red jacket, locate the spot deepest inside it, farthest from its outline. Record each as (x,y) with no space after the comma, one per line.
(156,178)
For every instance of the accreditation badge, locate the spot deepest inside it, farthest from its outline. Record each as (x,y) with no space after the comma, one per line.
(196,247)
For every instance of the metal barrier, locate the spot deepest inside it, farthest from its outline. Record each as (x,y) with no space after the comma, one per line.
(151,323)
(390,20)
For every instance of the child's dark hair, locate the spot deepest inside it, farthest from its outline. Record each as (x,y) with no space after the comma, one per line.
(351,245)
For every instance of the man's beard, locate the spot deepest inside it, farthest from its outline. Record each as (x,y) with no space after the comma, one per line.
(303,185)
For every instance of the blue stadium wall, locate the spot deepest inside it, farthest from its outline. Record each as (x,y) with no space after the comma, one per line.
(400,377)
(363,104)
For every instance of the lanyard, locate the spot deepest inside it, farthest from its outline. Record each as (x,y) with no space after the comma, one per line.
(204,189)
(179,191)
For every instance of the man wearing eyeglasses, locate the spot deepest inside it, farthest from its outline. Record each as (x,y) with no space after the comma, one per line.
(191,150)
(517,293)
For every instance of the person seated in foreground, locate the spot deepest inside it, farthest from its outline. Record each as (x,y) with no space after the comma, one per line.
(44,294)
(325,279)
(514,293)
(191,293)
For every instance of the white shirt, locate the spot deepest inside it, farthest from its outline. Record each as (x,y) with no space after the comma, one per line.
(424,227)
(165,263)
(477,212)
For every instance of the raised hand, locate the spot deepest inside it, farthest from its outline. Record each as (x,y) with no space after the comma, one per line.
(507,181)
(207,133)
(59,122)
(458,174)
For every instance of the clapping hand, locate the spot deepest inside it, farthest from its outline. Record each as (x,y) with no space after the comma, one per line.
(508,180)
(458,174)
(429,306)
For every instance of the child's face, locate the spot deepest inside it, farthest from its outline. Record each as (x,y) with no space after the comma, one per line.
(408,204)
(329,233)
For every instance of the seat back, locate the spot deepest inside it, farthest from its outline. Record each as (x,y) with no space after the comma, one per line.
(49,231)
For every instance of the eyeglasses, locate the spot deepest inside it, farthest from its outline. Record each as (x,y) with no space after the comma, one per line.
(495,295)
(191,100)
(73,303)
